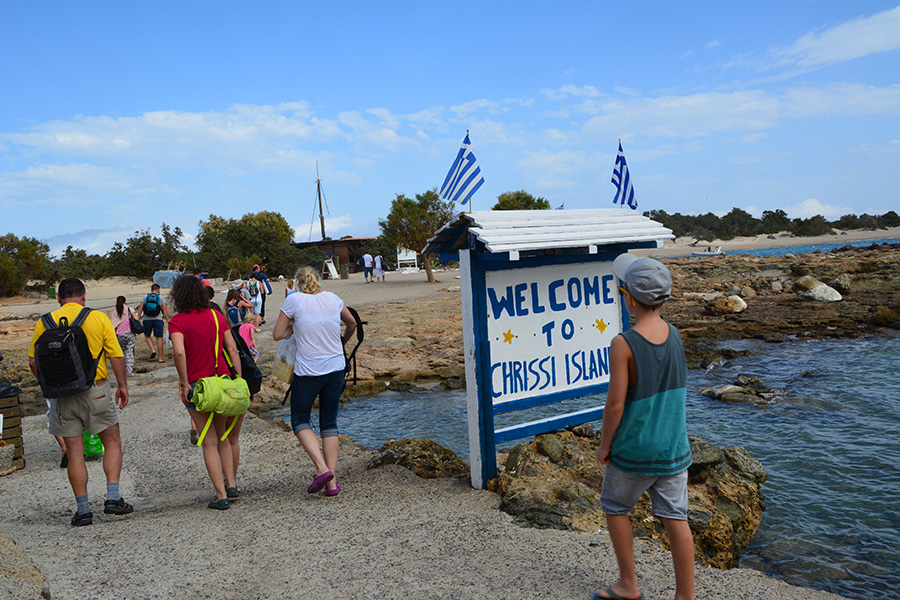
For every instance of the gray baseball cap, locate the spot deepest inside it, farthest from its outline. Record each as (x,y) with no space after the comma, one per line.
(648,280)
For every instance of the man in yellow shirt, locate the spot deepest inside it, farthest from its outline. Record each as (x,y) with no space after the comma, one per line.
(94,409)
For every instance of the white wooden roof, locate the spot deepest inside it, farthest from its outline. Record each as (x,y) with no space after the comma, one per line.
(521,230)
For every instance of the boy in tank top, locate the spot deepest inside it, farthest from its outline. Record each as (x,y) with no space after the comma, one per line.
(644,442)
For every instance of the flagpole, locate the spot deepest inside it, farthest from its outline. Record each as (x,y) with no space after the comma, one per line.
(471,200)
(622,203)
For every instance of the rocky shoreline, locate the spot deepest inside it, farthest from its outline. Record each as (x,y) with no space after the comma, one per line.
(414,334)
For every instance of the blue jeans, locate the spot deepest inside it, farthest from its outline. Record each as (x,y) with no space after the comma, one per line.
(304,390)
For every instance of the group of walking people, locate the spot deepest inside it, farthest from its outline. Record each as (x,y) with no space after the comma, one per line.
(203,346)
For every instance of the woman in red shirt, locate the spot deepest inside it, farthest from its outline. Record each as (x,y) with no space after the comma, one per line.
(193,332)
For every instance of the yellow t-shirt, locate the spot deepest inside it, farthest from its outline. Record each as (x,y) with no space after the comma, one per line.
(97,329)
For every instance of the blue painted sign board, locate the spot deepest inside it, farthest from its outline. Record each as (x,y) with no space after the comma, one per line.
(537,331)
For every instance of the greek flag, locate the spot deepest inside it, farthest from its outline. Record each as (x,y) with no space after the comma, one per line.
(622,180)
(464,177)
(561,206)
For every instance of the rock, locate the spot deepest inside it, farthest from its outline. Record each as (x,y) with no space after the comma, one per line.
(549,446)
(583,430)
(885,316)
(776,287)
(717,391)
(842,283)
(734,291)
(19,576)
(425,458)
(704,454)
(727,305)
(703,296)
(741,461)
(725,504)
(738,397)
(747,292)
(810,288)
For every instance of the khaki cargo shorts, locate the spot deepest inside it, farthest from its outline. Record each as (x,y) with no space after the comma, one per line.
(94,409)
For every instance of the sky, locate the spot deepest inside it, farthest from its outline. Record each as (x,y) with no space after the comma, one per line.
(118,116)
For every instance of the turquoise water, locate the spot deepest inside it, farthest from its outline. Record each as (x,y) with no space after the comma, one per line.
(810,248)
(830,446)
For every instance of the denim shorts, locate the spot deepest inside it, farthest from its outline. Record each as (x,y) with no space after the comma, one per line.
(154,326)
(621,491)
(305,389)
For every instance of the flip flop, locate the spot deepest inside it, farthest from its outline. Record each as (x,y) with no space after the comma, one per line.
(611,595)
(319,482)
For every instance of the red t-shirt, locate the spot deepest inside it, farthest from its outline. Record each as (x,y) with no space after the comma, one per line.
(199,342)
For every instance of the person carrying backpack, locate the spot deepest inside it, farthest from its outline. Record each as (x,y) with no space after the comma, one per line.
(154,314)
(68,355)
(254,286)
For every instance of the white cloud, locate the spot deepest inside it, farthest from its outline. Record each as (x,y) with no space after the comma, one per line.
(686,54)
(812,207)
(335,227)
(853,39)
(555,170)
(842,99)
(566,91)
(713,44)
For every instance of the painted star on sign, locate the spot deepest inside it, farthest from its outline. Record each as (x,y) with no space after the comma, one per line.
(599,324)
(508,337)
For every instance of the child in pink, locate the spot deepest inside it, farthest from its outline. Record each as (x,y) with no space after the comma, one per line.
(248,332)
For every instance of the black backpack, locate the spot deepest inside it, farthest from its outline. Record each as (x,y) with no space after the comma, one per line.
(64,362)
(249,371)
(151,305)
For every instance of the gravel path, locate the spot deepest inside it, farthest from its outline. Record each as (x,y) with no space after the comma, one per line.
(389,534)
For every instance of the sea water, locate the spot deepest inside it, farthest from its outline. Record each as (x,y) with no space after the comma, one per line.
(810,248)
(829,444)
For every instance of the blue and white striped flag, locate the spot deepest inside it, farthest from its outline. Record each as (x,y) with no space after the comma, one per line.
(464,177)
(561,206)
(622,180)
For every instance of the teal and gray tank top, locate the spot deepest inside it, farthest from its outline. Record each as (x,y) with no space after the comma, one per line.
(652,437)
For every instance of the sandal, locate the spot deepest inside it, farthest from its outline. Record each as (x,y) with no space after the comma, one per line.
(233,493)
(222,504)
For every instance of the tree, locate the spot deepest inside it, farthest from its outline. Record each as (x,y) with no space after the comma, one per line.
(520,200)
(741,222)
(142,254)
(20,260)
(411,222)
(257,238)
(774,221)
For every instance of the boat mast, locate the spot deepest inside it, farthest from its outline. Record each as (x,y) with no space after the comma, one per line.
(319,197)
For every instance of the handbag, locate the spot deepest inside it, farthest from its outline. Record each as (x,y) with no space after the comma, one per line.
(220,394)
(136,325)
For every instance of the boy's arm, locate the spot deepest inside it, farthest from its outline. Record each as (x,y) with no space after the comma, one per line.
(140,310)
(619,356)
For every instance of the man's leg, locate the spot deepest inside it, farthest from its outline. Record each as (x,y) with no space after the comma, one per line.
(149,343)
(78,475)
(620,532)
(112,453)
(682,543)
(160,356)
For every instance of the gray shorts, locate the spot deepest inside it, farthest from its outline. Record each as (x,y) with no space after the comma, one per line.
(621,491)
(94,409)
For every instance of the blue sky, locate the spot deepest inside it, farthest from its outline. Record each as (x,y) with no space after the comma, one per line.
(119,116)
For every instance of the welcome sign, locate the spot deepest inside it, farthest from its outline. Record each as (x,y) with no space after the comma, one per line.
(549,328)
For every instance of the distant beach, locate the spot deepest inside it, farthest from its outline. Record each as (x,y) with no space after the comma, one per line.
(685,245)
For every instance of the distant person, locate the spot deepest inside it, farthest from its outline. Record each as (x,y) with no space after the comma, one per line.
(93,409)
(314,318)
(647,393)
(199,275)
(379,267)
(248,332)
(290,289)
(154,314)
(211,294)
(257,293)
(266,290)
(120,317)
(368,264)
(236,307)
(194,331)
